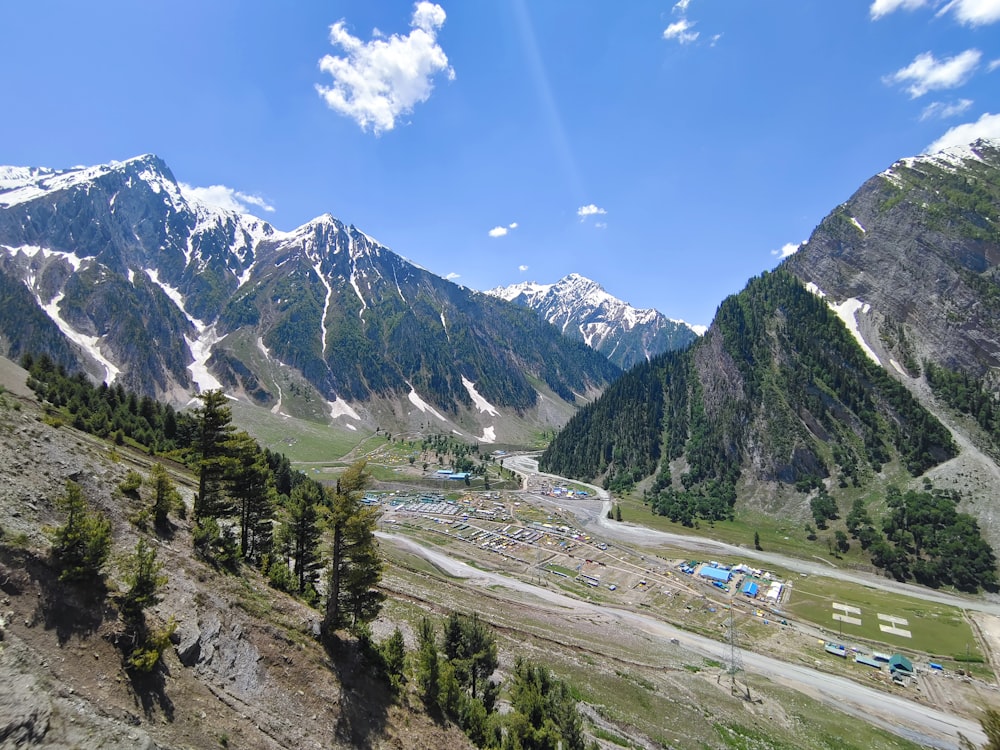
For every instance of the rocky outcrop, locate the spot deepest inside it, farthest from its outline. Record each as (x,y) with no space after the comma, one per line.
(919,245)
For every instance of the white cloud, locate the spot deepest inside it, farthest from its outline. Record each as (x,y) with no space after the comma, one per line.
(225,197)
(681,6)
(681,31)
(987,126)
(993,65)
(522,268)
(881,8)
(499,231)
(601,225)
(970,12)
(926,73)
(452,276)
(589,210)
(943,111)
(380,80)
(789,248)
(974,12)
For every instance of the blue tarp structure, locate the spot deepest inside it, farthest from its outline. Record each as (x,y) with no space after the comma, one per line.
(750,588)
(716,574)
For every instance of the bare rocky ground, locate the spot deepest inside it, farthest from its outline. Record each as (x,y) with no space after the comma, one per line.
(246,670)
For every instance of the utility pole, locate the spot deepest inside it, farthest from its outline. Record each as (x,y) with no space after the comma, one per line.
(735,658)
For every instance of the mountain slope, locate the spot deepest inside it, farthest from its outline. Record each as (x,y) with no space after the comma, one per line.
(918,248)
(777,391)
(581,308)
(812,377)
(156,290)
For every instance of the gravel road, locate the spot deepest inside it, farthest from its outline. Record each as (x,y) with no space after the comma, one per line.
(914,721)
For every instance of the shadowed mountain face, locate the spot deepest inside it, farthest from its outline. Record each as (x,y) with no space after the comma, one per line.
(116,269)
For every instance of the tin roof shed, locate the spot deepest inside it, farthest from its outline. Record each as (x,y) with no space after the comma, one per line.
(715,574)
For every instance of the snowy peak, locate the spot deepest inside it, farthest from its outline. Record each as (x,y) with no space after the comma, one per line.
(582,309)
(953,158)
(121,270)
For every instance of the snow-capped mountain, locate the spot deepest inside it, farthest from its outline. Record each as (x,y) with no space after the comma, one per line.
(582,309)
(117,269)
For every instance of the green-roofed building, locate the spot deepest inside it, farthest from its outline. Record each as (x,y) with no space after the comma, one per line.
(899,663)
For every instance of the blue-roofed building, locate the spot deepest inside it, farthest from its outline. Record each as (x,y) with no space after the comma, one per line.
(460,475)
(868,661)
(715,574)
(750,588)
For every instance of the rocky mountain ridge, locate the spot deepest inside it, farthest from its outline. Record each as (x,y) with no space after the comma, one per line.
(581,308)
(117,269)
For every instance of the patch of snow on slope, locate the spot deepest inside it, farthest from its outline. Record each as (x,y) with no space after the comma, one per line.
(90,344)
(481,403)
(398,288)
(423,405)
(357,291)
(811,287)
(175,296)
(699,329)
(489,435)
(201,350)
(595,330)
(340,408)
(898,367)
(326,303)
(857,223)
(201,346)
(15,177)
(276,409)
(528,288)
(33,251)
(847,311)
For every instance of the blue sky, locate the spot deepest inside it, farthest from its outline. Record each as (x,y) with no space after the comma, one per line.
(668,150)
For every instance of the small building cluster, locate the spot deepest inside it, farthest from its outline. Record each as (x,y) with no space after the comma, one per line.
(750,582)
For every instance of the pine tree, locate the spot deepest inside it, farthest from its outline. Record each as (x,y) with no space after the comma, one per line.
(80,547)
(393,651)
(300,533)
(355,565)
(165,495)
(428,664)
(214,420)
(252,489)
(142,573)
